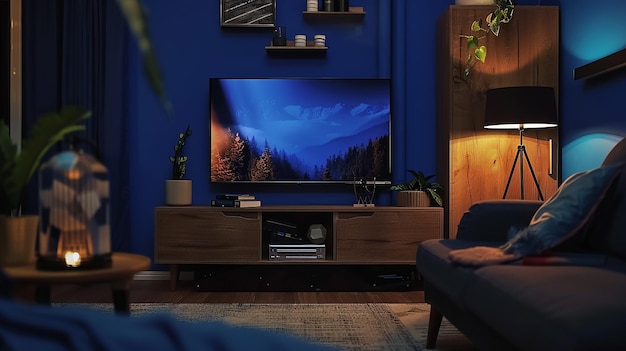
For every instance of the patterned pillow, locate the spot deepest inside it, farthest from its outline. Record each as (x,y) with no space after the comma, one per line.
(565,213)
(558,219)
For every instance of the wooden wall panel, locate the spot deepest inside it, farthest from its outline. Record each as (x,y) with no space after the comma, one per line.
(475,161)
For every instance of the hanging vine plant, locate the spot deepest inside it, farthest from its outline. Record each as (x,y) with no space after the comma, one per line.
(502,14)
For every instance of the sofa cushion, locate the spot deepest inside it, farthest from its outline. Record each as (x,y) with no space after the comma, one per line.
(566,212)
(617,153)
(490,220)
(607,233)
(551,307)
(558,219)
(433,264)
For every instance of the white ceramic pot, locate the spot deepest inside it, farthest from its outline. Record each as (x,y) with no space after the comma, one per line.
(413,198)
(178,192)
(474,2)
(18,236)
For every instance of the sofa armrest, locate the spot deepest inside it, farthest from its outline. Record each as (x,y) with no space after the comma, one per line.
(492,220)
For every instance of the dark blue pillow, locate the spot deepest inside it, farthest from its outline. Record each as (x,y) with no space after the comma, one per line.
(565,213)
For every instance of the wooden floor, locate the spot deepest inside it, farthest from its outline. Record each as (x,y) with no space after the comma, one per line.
(158,291)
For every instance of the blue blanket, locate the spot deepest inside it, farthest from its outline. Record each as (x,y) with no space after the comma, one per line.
(37,327)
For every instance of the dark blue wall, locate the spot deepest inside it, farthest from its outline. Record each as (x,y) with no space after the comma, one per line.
(592,110)
(395,39)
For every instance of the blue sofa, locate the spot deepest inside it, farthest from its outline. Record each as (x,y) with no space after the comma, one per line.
(569,297)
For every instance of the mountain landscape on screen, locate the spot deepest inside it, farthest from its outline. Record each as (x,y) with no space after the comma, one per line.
(299,130)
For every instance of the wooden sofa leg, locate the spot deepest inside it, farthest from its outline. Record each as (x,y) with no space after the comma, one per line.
(434,322)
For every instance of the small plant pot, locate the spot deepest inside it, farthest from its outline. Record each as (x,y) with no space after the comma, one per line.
(413,198)
(178,192)
(18,236)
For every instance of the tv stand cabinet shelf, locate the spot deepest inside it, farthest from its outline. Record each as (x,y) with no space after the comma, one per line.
(193,235)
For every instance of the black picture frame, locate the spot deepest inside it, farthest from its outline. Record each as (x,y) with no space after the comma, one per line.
(248,13)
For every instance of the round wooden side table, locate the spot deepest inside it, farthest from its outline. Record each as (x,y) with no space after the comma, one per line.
(123,268)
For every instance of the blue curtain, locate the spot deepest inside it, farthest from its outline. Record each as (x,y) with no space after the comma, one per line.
(75,53)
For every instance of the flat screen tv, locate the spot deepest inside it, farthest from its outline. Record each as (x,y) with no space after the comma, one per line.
(300,130)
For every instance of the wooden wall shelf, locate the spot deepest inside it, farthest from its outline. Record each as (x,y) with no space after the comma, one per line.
(354,13)
(291,50)
(606,64)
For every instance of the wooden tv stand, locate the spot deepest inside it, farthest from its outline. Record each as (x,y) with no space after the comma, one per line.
(230,235)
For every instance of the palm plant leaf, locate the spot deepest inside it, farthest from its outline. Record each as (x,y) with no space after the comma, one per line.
(434,191)
(137,20)
(47,130)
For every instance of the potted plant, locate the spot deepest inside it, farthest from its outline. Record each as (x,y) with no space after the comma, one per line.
(18,232)
(419,192)
(178,190)
(502,14)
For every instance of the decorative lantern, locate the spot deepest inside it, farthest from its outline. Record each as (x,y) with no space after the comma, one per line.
(74,228)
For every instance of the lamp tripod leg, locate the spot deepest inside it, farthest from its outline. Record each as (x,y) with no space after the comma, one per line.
(530,166)
(508,182)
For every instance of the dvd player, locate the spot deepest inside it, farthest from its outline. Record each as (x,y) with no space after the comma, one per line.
(303,252)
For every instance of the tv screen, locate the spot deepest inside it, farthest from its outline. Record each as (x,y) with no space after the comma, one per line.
(300,130)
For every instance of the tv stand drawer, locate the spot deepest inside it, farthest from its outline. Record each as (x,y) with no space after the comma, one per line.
(195,235)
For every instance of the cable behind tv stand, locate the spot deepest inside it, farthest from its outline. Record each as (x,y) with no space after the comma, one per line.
(381,235)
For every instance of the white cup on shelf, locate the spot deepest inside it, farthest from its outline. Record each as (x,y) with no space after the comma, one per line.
(312,5)
(320,40)
(300,40)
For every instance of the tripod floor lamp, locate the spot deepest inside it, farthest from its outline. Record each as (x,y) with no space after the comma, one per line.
(521,108)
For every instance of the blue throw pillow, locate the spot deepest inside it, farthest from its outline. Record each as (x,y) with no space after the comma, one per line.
(565,213)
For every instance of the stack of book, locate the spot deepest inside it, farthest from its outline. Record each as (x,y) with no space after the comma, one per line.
(235,200)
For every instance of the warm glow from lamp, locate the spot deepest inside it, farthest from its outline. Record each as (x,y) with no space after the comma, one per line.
(72,259)
(73,174)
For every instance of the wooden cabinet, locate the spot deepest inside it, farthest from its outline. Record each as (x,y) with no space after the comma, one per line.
(195,235)
(355,235)
(385,236)
(474,163)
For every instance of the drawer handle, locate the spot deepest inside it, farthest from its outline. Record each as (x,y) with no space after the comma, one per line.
(355,215)
(246,215)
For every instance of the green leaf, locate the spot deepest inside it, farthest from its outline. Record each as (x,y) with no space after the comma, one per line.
(472,42)
(47,130)
(476,26)
(435,196)
(481,53)
(494,23)
(137,20)
(505,9)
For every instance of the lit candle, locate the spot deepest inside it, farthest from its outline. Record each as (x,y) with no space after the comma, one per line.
(72,259)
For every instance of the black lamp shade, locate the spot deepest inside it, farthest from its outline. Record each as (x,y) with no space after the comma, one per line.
(520,108)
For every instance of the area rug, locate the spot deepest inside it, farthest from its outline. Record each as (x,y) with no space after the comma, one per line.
(415,318)
(347,326)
